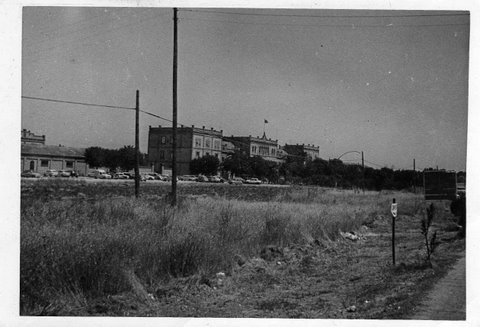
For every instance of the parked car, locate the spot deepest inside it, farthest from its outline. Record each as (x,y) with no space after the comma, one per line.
(214,179)
(253,181)
(63,173)
(146,177)
(72,173)
(30,174)
(202,178)
(99,174)
(236,180)
(104,176)
(50,173)
(157,176)
(189,178)
(121,176)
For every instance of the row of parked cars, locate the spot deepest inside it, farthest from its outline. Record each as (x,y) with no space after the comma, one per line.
(102,174)
(50,173)
(217,179)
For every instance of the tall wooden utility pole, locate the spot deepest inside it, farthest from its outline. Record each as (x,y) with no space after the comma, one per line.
(137,150)
(414,178)
(174,120)
(363,174)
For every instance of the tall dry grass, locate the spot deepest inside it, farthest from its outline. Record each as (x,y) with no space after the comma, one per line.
(83,248)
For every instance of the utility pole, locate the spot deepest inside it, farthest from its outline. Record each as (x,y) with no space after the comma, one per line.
(137,150)
(174,120)
(363,173)
(414,178)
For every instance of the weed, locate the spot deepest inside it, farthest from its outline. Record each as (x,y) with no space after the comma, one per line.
(430,238)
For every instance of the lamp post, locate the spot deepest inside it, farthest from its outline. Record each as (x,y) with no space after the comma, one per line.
(363,166)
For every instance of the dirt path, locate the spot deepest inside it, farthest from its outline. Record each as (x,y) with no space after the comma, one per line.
(447,300)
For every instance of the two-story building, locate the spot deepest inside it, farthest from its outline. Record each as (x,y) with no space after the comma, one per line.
(257,146)
(192,143)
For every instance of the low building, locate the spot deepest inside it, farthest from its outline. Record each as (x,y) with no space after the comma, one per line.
(192,143)
(307,150)
(40,158)
(257,146)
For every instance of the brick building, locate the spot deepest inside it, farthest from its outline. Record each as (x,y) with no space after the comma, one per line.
(192,143)
(311,151)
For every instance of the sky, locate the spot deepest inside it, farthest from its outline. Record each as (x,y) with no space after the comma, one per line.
(393,84)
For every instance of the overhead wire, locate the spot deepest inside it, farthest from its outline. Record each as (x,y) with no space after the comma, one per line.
(77,103)
(324,16)
(323,25)
(64,32)
(76,41)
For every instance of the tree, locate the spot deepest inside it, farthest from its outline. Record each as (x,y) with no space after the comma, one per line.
(207,165)
(95,156)
(113,158)
(126,157)
(238,163)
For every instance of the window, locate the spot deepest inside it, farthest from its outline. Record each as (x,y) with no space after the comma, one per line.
(164,140)
(198,142)
(273,151)
(197,154)
(162,155)
(263,150)
(254,149)
(216,144)
(216,155)
(43,163)
(69,164)
(207,143)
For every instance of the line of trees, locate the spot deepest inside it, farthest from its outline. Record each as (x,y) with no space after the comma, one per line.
(299,169)
(123,158)
(302,170)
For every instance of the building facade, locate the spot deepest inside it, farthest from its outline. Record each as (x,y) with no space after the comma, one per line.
(311,151)
(192,143)
(40,158)
(257,146)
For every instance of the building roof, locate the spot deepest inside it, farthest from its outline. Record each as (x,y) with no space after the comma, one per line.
(52,151)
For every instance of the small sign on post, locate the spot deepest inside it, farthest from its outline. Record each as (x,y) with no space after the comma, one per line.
(393,210)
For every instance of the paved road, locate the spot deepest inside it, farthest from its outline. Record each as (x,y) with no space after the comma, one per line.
(447,300)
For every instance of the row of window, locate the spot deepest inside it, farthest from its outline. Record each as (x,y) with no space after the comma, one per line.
(208,143)
(263,150)
(45,163)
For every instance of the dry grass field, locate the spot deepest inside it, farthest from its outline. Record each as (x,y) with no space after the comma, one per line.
(225,251)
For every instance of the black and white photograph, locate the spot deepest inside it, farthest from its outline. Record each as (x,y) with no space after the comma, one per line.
(213,161)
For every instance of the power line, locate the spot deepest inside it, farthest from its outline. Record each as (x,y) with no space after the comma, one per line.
(156,116)
(326,16)
(76,44)
(78,103)
(322,25)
